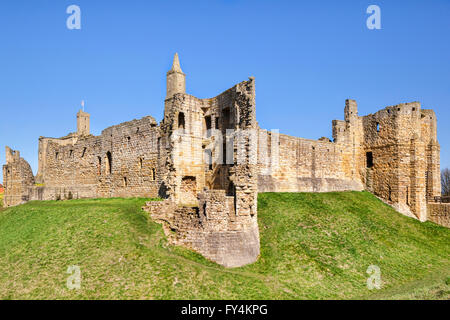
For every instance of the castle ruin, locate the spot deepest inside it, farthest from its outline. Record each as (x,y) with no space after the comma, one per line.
(208,159)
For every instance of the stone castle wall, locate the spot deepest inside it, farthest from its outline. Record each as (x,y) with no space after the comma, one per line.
(208,159)
(302,165)
(439,213)
(404,153)
(121,162)
(213,229)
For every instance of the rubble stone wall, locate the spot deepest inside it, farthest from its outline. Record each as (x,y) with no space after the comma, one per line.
(17,178)
(303,165)
(439,213)
(121,162)
(212,229)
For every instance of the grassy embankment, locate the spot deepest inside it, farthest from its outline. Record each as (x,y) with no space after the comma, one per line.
(313,246)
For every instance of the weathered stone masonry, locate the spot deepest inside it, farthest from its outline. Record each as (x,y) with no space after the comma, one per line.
(208,159)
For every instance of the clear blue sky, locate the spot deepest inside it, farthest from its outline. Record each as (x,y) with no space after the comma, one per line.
(307,57)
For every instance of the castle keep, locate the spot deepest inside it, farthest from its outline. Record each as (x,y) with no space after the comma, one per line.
(208,159)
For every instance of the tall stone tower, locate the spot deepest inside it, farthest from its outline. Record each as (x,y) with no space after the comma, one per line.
(176,79)
(83,123)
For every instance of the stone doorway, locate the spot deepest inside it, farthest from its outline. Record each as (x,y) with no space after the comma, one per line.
(188,188)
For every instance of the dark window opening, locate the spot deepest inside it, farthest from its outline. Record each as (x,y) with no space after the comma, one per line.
(209,158)
(181,121)
(208,126)
(158,146)
(140,163)
(227,118)
(204,209)
(224,153)
(390,193)
(125,182)
(231,189)
(56,155)
(407,196)
(84,152)
(128,138)
(108,162)
(70,153)
(99,166)
(153,174)
(217,123)
(369,159)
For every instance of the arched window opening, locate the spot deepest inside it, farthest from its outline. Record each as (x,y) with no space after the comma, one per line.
(227,118)
(208,126)
(108,163)
(181,121)
(99,166)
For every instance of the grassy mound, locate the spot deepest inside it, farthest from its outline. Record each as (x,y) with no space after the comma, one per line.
(313,246)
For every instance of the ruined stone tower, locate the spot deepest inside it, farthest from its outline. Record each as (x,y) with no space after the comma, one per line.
(210,205)
(83,123)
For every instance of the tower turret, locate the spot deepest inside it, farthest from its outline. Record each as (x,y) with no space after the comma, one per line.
(176,79)
(83,126)
(351,110)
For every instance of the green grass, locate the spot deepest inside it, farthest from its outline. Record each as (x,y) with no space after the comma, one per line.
(313,246)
